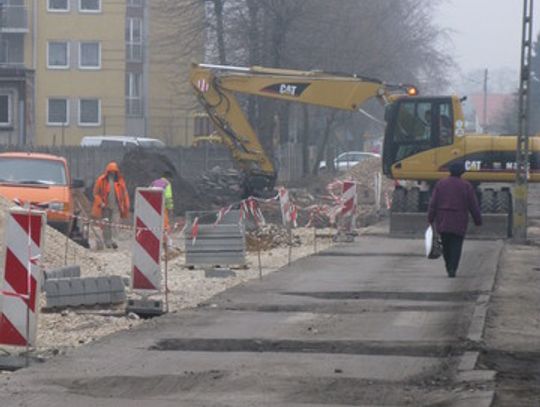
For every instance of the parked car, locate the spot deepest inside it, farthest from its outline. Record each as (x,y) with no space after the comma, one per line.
(121,141)
(42,180)
(349,159)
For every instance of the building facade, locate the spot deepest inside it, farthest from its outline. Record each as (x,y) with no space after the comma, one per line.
(75,68)
(16,73)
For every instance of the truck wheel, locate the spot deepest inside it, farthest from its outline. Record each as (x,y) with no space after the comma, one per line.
(487,203)
(503,202)
(398,200)
(413,200)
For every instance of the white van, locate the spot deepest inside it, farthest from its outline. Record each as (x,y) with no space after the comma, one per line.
(121,141)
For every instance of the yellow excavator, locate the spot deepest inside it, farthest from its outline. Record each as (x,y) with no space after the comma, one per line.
(216,87)
(423,136)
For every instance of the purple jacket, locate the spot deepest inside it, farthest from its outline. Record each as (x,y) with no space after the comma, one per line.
(451,201)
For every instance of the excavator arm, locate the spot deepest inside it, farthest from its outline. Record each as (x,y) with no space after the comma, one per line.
(217,85)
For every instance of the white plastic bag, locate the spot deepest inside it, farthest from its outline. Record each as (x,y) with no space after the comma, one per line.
(433,244)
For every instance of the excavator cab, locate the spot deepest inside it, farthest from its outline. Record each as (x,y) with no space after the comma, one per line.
(415,125)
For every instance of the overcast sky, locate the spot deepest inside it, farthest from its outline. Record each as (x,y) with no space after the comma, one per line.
(486,33)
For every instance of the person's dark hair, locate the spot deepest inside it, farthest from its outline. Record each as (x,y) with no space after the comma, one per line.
(457,169)
(167,174)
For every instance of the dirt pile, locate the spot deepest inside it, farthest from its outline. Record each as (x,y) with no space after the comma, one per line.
(366,173)
(57,249)
(142,166)
(315,191)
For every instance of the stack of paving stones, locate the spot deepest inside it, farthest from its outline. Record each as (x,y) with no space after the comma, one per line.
(64,272)
(66,288)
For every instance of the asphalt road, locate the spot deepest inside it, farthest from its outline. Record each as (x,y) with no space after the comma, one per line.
(371,323)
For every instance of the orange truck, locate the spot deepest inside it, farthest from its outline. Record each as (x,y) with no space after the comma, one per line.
(43,181)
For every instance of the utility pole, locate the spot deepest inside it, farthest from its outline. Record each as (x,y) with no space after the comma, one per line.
(485,123)
(522,150)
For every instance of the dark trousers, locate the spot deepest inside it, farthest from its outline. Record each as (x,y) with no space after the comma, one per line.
(452,245)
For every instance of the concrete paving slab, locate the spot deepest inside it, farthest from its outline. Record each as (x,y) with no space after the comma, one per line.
(476,399)
(477,376)
(468,361)
(393,326)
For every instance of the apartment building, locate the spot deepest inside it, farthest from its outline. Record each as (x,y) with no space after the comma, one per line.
(74,68)
(16,74)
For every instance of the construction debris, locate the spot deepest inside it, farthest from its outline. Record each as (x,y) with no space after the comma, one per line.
(221,186)
(270,237)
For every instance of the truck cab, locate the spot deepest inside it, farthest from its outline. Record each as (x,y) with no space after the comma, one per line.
(41,181)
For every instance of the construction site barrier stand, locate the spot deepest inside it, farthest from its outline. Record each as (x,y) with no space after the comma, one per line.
(146,273)
(21,277)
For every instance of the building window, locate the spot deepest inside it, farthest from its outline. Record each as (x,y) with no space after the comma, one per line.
(134,106)
(90,6)
(4,52)
(134,39)
(58,112)
(90,55)
(58,55)
(89,112)
(5,110)
(58,5)
(135,3)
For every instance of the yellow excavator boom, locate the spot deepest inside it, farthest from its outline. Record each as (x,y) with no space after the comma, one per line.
(216,87)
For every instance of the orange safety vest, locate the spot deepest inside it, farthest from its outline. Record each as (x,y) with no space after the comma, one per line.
(101,195)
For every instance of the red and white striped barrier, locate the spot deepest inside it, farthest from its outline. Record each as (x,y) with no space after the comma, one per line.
(21,282)
(349,199)
(194,231)
(255,211)
(286,206)
(147,245)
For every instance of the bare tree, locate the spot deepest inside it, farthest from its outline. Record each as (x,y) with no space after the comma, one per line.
(218,9)
(396,41)
(388,40)
(177,37)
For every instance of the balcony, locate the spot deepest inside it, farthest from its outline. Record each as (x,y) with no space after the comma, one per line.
(11,52)
(14,19)
(134,52)
(134,107)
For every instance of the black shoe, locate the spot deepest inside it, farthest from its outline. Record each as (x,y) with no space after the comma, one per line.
(451,273)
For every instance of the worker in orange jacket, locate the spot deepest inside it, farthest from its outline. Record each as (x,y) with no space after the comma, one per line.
(111,201)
